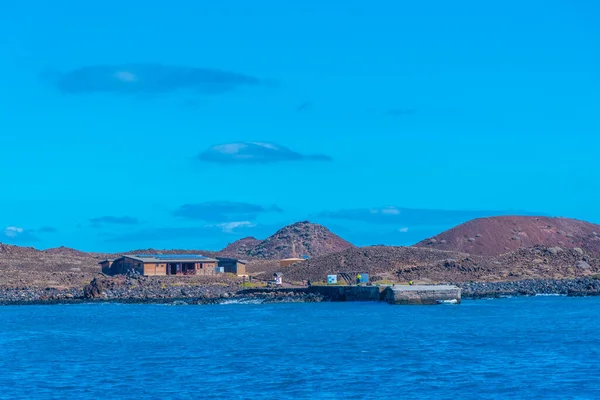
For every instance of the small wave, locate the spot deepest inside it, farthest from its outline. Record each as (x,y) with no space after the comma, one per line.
(453,301)
(550,295)
(242,301)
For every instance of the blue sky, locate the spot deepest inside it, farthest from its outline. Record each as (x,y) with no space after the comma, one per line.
(189,124)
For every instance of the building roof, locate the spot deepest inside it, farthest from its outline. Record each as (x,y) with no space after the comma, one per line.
(169,258)
(232,259)
(107,260)
(293,259)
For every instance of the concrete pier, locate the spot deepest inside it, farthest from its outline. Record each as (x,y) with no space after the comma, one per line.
(422,294)
(399,294)
(347,293)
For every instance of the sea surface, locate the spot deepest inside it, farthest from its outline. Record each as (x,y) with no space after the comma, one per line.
(541,347)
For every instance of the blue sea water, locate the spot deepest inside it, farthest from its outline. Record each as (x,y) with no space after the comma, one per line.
(542,347)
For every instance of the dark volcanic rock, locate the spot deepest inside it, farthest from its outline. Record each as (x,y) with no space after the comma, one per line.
(531,287)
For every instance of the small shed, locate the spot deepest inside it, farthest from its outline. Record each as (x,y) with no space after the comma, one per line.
(106,265)
(232,265)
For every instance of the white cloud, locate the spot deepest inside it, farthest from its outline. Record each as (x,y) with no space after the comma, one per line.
(255,152)
(13,231)
(229,227)
(403,230)
(230,148)
(390,211)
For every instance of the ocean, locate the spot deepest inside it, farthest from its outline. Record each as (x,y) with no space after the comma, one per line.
(515,348)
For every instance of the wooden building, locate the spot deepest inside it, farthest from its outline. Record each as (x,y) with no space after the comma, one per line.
(232,265)
(106,265)
(161,264)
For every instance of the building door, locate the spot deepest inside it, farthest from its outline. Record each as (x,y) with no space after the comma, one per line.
(173,269)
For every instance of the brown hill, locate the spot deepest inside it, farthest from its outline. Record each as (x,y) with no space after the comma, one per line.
(433,265)
(497,235)
(240,248)
(375,260)
(299,239)
(28,267)
(65,251)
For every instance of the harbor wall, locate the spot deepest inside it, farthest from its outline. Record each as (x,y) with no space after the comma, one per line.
(422,294)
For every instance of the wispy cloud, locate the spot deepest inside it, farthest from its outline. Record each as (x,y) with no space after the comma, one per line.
(143,78)
(16,234)
(112,220)
(178,234)
(411,216)
(230,227)
(255,153)
(163,234)
(223,211)
(13,231)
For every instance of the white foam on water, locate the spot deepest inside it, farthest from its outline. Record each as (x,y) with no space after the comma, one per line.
(453,301)
(241,301)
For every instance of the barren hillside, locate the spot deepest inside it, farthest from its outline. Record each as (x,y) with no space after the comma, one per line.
(300,239)
(497,235)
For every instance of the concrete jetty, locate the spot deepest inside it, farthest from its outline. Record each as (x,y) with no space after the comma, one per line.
(347,293)
(398,294)
(422,294)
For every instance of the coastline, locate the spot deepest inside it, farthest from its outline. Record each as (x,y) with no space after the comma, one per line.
(135,290)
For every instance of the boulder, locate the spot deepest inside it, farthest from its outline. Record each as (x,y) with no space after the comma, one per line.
(94,289)
(554,250)
(583,265)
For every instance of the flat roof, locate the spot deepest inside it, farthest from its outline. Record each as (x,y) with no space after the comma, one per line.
(293,259)
(169,258)
(232,259)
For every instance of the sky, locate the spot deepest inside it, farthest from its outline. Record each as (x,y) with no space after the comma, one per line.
(190,124)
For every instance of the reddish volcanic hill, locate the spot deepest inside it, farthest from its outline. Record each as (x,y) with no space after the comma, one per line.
(240,248)
(299,239)
(498,235)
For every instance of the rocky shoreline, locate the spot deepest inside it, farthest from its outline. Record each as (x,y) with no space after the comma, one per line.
(530,287)
(141,290)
